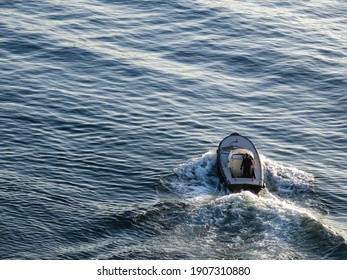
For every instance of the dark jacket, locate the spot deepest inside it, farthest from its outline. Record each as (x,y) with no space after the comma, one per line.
(246,163)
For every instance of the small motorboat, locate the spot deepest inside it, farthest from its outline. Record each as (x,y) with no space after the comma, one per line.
(239,164)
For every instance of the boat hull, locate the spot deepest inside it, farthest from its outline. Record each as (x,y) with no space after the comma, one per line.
(230,154)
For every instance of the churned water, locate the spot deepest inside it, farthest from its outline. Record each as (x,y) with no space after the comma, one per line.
(111,113)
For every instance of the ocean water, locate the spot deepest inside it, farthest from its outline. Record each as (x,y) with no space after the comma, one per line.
(111,113)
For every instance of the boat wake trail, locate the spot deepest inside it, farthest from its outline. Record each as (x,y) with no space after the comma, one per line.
(195,178)
(286,180)
(285,221)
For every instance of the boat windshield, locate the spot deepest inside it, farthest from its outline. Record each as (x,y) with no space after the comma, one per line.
(238,156)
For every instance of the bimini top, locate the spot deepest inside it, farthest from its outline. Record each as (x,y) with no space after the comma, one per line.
(239,151)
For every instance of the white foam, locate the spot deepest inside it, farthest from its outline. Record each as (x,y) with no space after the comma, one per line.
(198,167)
(197,177)
(285,178)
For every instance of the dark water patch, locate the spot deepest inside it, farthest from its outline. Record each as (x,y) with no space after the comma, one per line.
(338,252)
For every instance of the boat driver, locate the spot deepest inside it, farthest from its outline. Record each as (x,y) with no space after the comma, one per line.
(246,165)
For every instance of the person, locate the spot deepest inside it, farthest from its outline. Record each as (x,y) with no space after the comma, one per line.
(246,165)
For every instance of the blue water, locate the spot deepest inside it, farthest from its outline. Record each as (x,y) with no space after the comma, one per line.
(111,113)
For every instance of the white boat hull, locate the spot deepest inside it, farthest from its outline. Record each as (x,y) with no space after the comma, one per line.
(230,154)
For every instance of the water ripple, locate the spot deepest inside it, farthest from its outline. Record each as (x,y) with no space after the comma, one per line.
(105,107)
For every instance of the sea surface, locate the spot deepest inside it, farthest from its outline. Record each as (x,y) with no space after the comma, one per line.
(111,113)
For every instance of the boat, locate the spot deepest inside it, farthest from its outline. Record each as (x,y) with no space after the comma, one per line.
(239,165)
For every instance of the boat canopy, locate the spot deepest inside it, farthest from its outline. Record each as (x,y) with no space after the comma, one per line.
(241,151)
